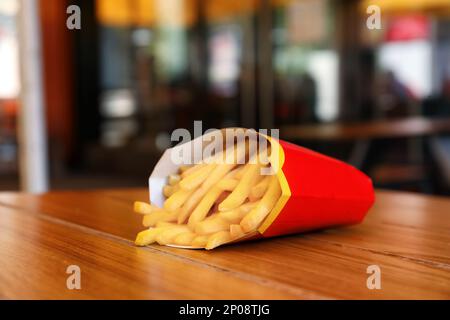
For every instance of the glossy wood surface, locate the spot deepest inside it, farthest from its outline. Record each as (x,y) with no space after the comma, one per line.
(406,235)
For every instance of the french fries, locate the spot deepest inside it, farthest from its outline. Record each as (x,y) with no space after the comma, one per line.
(184,239)
(202,210)
(174,179)
(228,184)
(242,190)
(217,239)
(200,241)
(259,190)
(256,216)
(147,237)
(211,204)
(150,220)
(168,234)
(177,199)
(170,190)
(212,225)
(236,231)
(233,216)
(144,208)
(195,179)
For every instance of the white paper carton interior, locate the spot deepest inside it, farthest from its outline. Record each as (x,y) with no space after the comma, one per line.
(165,166)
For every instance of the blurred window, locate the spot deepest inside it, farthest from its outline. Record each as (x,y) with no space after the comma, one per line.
(9,75)
(399,57)
(225,53)
(407,52)
(305,63)
(9,88)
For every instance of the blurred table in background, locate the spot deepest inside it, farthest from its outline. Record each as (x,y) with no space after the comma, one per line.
(405,235)
(362,134)
(383,129)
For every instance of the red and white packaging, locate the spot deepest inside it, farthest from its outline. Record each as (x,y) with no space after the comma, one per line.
(317,191)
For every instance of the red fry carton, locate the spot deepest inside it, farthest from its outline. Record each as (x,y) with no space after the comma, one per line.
(317,191)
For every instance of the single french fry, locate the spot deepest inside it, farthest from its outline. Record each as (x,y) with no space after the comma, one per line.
(167,191)
(255,217)
(217,174)
(174,179)
(236,231)
(184,239)
(232,173)
(196,179)
(224,169)
(147,237)
(192,169)
(251,197)
(144,208)
(185,168)
(152,219)
(164,224)
(167,234)
(219,199)
(176,200)
(239,172)
(190,204)
(199,241)
(218,239)
(259,190)
(246,207)
(193,202)
(170,190)
(211,225)
(215,207)
(232,216)
(202,209)
(242,190)
(228,184)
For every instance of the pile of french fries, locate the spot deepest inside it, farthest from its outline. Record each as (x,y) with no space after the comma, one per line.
(211,203)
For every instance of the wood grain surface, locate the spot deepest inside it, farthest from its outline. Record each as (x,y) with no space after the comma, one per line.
(406,235)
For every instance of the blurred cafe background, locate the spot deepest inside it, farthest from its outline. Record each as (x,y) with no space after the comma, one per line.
(94,107)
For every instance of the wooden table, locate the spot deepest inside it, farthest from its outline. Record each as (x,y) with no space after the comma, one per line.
(406,235)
